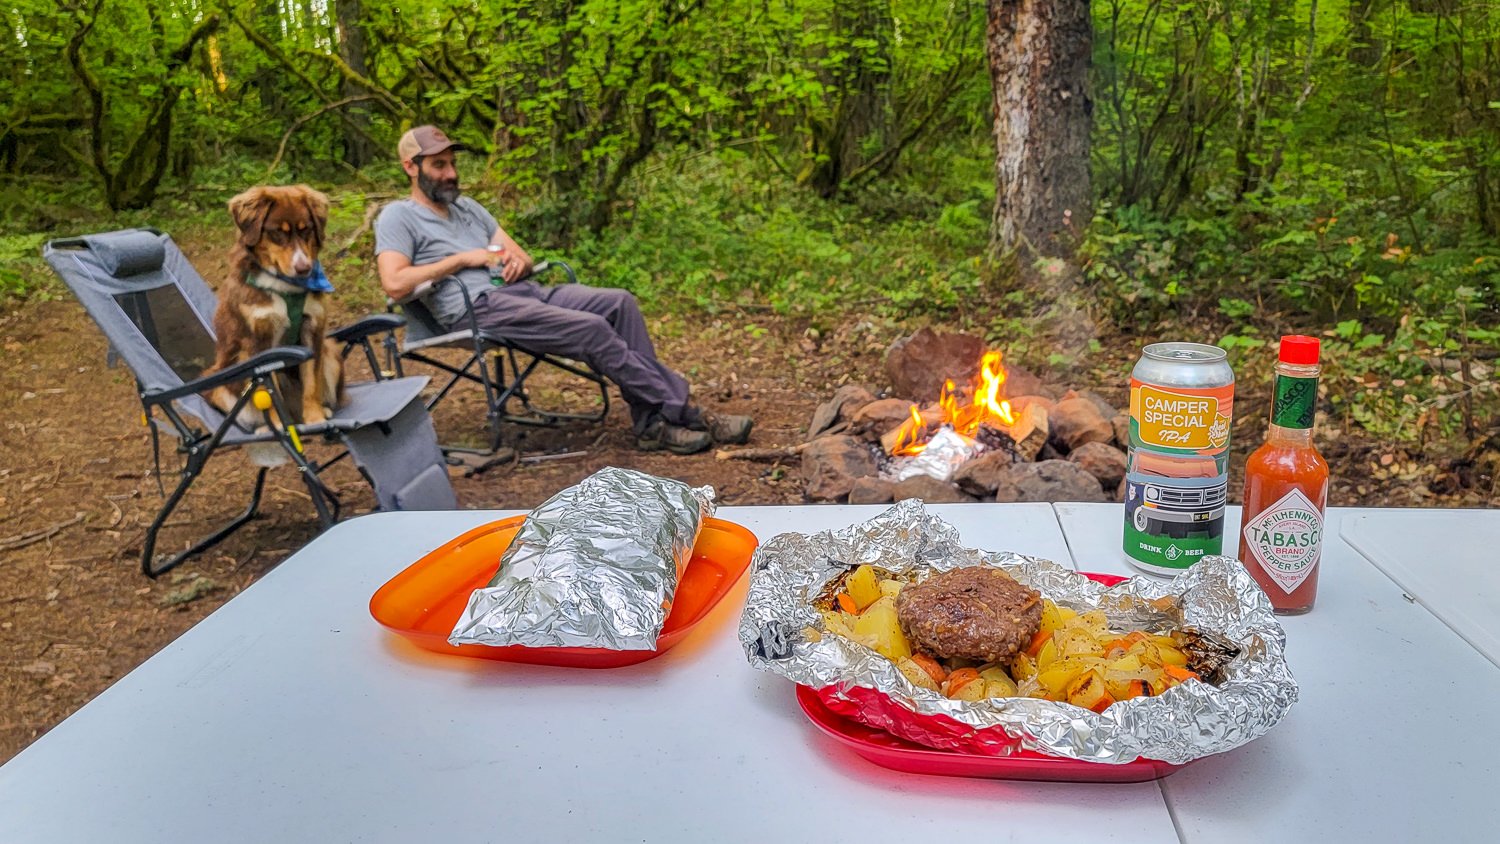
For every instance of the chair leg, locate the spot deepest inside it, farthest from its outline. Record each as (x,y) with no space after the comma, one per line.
(190,474)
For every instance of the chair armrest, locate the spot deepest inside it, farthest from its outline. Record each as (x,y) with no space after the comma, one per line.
(373,324)
(270,360)
(417,292)
(541,267)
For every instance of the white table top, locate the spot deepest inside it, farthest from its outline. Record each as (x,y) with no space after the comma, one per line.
(290,715)
(1448,560)
(1391,739)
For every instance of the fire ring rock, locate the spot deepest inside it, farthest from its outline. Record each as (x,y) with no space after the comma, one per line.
(1049,480)
(881,416)
(841,407)
(872,491)
(1104,462)
(830,465)
(981,475)
(930,490)
(918,365)
(1077,421)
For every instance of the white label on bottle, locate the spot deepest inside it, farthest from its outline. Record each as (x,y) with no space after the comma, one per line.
(1287,539)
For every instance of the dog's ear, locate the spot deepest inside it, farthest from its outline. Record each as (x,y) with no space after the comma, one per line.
(249,211)
(317,206)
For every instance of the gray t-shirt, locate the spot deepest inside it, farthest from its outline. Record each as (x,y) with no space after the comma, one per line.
(422,235)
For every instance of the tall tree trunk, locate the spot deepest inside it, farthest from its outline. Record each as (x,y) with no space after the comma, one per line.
(358,150)
(1039,63)
(862,81)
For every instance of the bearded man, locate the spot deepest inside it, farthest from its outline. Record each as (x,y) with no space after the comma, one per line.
(436,234)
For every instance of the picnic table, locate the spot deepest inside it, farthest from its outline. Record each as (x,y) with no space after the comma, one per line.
(290,715)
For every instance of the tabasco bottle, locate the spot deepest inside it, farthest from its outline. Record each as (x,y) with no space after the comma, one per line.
(1286,487)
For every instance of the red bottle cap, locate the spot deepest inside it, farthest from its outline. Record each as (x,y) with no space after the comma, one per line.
(1299,349)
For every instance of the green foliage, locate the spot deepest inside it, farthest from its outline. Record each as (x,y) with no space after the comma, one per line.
(723,234)
(1260,167)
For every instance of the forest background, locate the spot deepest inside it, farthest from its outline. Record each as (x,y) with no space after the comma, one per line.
(1253,167)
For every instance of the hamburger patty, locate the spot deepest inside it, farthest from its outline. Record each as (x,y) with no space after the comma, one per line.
(969,613)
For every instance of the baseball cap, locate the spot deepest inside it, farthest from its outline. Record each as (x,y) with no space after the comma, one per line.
(425,140)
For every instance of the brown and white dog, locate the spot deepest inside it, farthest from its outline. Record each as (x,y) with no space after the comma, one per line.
(274,281)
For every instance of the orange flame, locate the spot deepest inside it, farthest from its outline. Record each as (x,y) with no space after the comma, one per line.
(986,405)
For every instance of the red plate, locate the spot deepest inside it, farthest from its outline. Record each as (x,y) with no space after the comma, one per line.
(888,751)
(423,602)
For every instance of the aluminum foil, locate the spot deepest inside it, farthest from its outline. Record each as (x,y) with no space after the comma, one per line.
(945,452)
(783,633)
(595,566)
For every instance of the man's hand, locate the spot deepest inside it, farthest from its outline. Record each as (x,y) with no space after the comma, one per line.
(513,268)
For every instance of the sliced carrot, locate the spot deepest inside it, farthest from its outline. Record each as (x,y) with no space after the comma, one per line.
(931,666)
(847,604)
(1178,673)
(958,679)
(1137,688)
(1037,641)
(1103,704)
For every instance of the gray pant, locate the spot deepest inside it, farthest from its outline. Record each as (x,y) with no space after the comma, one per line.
(600,326)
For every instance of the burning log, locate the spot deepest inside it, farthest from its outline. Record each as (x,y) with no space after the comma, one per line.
(1030,431)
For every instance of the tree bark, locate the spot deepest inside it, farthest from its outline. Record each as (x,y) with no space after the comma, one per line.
(1039,62)
(358,149)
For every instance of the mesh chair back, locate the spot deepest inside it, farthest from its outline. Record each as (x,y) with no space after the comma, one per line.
(148,300)
(421,325)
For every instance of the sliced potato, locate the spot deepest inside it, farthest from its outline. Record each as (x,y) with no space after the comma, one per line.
(1000,686)
(863,586)
(890,588)
(958,689)
(917,675)
(1172,656)
(993,671)
(1056,677)
(1087,690)
(1022,667)
(1095,622)
(1074,641)
(878,622)
(1051,619)
(1047,655)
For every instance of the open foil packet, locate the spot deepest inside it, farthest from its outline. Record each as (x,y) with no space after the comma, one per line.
(594,566)
(782,632)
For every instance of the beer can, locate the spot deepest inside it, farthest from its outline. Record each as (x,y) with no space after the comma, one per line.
(1177,469)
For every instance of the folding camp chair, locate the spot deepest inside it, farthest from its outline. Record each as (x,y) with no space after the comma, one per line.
(157,313)
(497,364)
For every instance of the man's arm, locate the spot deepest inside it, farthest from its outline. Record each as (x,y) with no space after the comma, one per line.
(399,277)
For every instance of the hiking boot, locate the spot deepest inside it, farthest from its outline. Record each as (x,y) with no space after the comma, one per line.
(728,428)
(674,438)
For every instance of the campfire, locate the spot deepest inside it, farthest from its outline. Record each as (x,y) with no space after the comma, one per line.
(963,412)
(960,424)
(964,422)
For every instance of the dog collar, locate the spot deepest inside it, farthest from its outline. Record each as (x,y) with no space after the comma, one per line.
(315,282)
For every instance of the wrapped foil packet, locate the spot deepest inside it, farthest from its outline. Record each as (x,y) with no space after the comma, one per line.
(782,632)
(594,566)
(945,452)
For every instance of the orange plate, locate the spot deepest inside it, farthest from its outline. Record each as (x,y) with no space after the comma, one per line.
(423,602)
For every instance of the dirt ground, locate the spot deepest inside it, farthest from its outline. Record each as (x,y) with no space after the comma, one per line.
(77,489)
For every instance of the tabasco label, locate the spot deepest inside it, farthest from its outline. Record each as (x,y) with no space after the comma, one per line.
(1286,539)
(1180,417)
